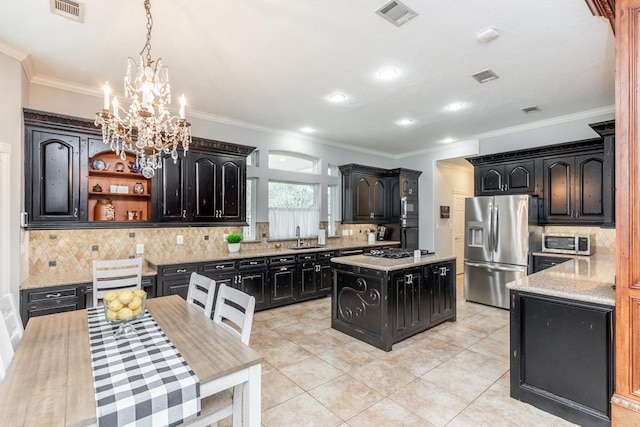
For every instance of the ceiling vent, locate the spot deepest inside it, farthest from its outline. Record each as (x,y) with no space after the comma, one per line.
(531,109)
(485,76)
(396,13)
(69,9)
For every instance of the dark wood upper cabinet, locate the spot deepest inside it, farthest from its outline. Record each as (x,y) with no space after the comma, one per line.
(373,195)
(505,178)
(575,180)
(208,185)
(575,187)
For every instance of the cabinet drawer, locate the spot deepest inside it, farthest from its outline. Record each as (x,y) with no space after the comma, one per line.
(53,294)
(327,255)
(218,266)
(58,308)
(286,259)
(252,263)
(306,257)
(179,270)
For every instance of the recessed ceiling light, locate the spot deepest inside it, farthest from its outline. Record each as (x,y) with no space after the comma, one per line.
(487,35)
(455,106)
(404,122)
(448,140)
(307,129)
(338,97)
(388,73)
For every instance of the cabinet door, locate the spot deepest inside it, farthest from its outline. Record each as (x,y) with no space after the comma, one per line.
(409,186)
(231,189)
(379,199)
(408,309)
(489,180)
(543,262)
(589,185)
(519,177)
(558,175)
(363,188)
(254,283)
(326,278)
(170,204)
(283,284)
(54,166)
(442,286)
(307,272)
(202,187)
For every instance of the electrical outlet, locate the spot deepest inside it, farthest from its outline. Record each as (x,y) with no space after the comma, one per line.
(350,232)
(345,233)
(224,236)
(180,239)
(140,248)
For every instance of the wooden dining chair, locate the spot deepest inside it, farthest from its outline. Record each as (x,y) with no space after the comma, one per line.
(12,319)
(233,312)
(201,293)
(6,349)
(115,274)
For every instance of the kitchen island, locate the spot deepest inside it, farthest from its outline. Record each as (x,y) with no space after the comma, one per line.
(562,339)
(382,301)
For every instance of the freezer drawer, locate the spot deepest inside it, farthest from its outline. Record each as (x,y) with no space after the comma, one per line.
(486,283)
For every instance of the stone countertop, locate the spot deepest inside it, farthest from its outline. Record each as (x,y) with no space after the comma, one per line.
(48,279)
(390,264)
(555,255)
(224,255)
(584,278)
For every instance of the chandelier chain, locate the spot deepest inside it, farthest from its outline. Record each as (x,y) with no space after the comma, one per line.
(147,45)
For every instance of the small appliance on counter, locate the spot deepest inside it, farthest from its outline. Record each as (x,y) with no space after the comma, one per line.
(382,232)
(322,236)
(568,243)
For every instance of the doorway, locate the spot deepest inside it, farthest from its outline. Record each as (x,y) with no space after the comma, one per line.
(458,228)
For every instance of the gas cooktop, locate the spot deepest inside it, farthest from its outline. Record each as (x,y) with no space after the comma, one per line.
(396,253)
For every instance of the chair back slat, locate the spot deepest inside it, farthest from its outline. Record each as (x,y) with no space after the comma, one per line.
(201,293)
(6,349)
(225,310)
(12,319)
(115,274)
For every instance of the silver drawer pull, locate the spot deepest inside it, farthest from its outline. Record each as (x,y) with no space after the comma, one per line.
(181,270)
(220,266)
(283,260)
(58,295)
(253,263)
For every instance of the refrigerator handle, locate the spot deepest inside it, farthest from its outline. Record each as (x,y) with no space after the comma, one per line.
(517,269)
(490,237)
(495,228)
(473,264)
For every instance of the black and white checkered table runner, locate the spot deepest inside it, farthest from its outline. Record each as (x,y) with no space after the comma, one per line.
(141,381)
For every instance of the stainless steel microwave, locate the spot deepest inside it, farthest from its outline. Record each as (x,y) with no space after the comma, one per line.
(568,243)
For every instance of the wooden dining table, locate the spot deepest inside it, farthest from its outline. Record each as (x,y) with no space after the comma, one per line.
(50,381)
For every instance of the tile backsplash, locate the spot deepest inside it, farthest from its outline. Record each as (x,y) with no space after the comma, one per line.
(75,250)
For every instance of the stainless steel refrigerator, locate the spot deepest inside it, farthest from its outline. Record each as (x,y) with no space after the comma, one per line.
(501,232)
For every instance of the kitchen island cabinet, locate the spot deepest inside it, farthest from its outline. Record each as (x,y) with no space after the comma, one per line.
(561,344)
(384,301)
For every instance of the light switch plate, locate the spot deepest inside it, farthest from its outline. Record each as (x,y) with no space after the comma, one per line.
(140,248)
(179,239)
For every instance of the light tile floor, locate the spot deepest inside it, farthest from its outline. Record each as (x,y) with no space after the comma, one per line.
(456,374)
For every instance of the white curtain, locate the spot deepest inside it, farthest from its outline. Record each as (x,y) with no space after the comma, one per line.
(283,222)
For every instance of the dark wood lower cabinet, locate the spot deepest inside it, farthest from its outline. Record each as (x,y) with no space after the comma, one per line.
(562,357)
(283,279)
(382,308)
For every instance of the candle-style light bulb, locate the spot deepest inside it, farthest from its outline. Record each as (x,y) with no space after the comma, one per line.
(107,92)
(116,104)
(183,103)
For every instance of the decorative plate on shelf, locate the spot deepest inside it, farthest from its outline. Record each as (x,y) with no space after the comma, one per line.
(99,165)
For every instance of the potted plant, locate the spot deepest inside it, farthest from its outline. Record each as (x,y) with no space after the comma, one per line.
(233,241)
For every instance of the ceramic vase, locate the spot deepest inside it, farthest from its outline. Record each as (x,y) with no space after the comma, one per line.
(104,211)
(234,247)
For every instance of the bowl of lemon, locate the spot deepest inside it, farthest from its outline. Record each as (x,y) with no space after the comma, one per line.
(122,307)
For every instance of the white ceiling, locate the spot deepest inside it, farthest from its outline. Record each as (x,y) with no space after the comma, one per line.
(273,63)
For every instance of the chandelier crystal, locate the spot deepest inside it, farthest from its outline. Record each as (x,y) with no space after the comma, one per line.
(147,128)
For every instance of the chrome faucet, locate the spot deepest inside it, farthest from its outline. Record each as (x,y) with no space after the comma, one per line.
(298,235)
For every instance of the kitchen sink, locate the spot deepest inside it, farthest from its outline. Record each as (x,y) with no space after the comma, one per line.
(304,247)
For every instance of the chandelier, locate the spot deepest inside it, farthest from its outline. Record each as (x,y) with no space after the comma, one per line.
(156,131)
